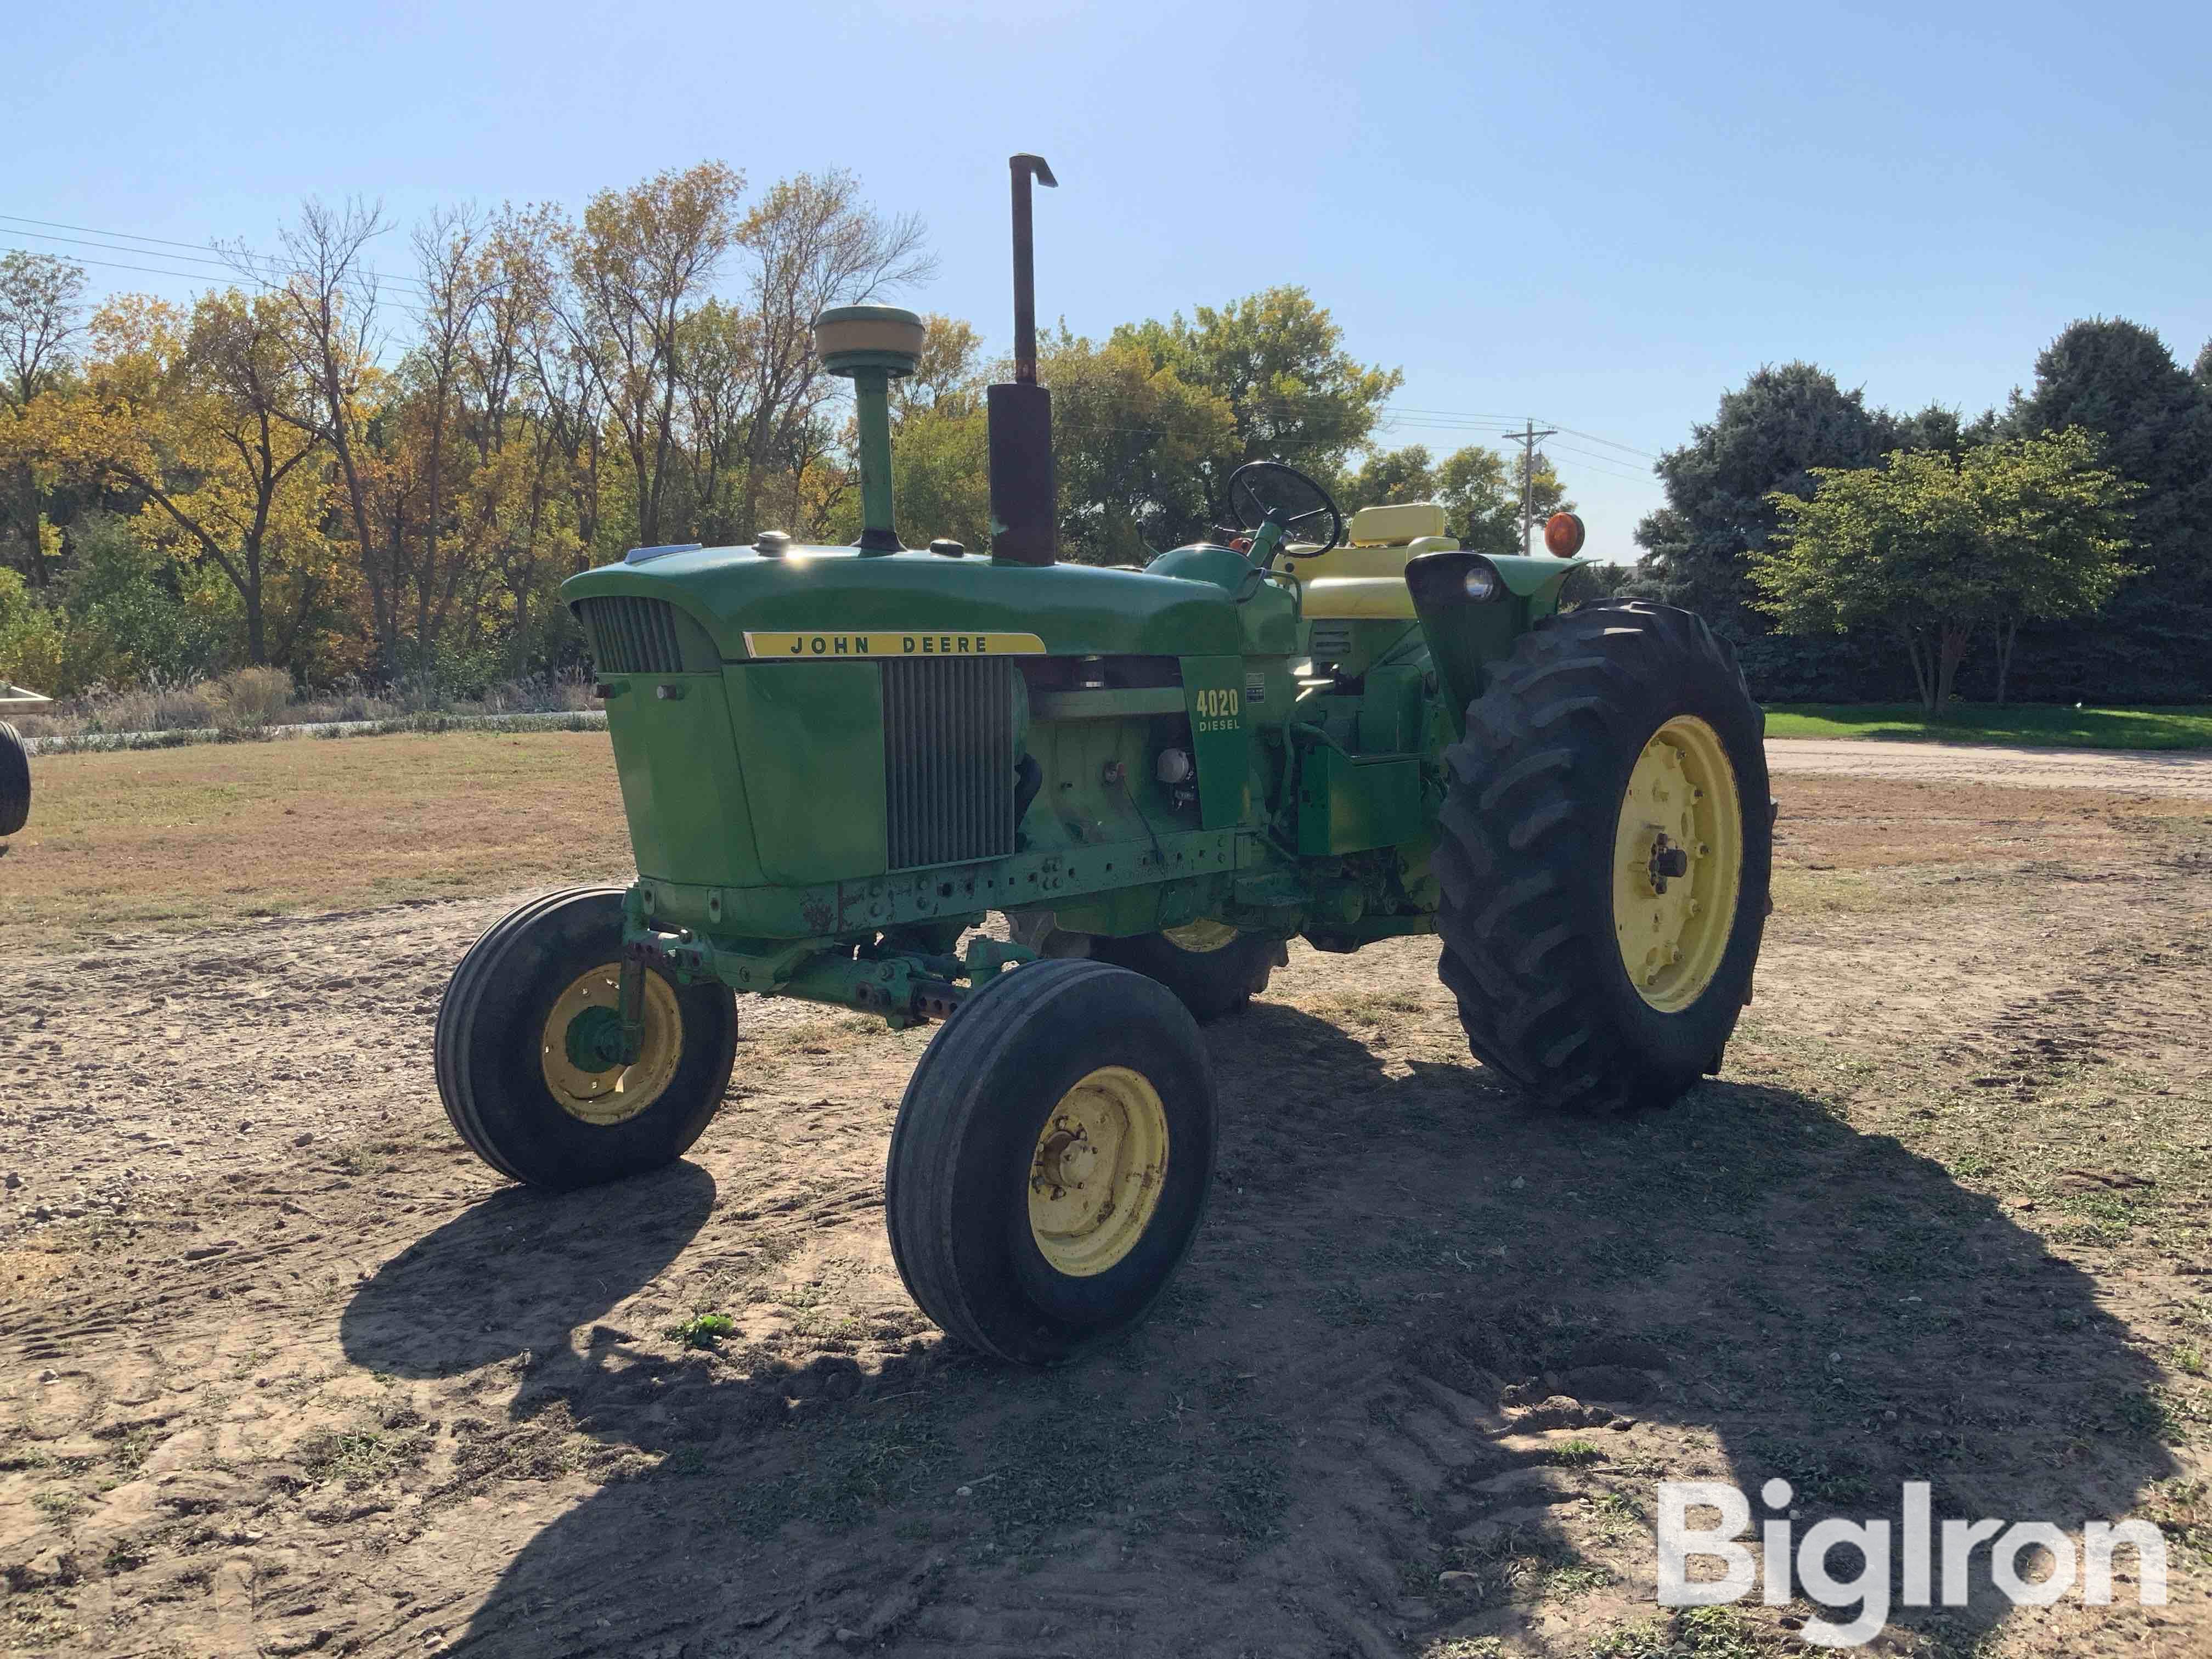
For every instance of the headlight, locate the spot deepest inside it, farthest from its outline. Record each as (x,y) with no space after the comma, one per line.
(1481,582)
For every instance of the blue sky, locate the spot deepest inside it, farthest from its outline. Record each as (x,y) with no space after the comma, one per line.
(1599,215)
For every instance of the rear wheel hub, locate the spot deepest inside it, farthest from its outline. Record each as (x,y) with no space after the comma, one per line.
(1678,863)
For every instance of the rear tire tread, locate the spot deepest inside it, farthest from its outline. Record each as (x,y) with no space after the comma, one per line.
(1525,806)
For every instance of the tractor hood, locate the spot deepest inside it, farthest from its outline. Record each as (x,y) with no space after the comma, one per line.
(812,598)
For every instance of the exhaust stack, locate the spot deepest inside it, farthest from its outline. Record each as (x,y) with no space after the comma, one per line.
(1024,498)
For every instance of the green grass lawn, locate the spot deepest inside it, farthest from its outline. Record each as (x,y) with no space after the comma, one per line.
(2048,725)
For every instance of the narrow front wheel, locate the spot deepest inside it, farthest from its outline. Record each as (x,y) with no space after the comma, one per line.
(1051,1160)
(529,1050)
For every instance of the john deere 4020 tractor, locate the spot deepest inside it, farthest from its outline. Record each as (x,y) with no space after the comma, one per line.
(836,761)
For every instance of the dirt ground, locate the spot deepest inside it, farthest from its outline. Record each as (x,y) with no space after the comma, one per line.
(282,1369)
(2181,772)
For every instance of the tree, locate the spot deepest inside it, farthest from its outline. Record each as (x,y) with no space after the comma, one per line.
(1931,549)
(1131,438)
(208,418)
(941,466)
(331,296)
(814,244)
(525,499)
(1278,360)
(2153,420)
(1483,499)
(2153,424)
(1387,476)
(1480,495)
(1768,438)
(457,274)
(640,259)
(41,305)
(41,302)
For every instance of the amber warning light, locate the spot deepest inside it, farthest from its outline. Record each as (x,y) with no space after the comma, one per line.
(1562,534)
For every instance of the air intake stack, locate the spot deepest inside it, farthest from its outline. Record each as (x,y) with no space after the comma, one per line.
(1025,500)
(871,346)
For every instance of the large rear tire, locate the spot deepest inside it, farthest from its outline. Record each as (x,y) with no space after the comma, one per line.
(521,1062)
(1604,850)
(1213,969)
(1052,1159)
(15,782)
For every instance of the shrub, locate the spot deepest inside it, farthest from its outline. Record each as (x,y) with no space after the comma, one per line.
(252,696)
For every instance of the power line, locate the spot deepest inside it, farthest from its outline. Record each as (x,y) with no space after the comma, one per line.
(204,254)
(195,276)
(1611,443)
(1603,464)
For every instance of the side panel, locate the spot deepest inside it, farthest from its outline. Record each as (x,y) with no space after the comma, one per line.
(1213,696)
(683,788)
(1349,805)
(817,728)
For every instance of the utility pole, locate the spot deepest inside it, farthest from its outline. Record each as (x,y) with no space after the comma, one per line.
(1529,476)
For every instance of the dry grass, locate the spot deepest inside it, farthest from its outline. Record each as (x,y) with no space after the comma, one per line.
(252,699)
(190,837)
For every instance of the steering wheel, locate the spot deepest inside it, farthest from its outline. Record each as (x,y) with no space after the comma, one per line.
(1259,488)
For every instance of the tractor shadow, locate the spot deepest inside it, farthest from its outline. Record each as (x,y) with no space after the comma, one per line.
(518,1272)
(1285,1457)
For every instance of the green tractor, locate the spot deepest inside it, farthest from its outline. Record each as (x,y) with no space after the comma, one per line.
(836,762)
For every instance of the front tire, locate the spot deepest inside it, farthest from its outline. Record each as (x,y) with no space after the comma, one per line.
(1052,1159)
(15,782)
(523,1081)
(1213,969)
(1604,850)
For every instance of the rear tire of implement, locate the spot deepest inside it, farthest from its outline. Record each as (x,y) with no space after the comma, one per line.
(1538,928)
(15,782)
(971,1224)
(1212,984)
(492,1033)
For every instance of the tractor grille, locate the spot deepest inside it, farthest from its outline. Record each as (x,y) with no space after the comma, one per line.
(949,759)
(632,636)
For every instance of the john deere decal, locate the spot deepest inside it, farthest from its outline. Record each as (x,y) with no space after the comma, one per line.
(796,648)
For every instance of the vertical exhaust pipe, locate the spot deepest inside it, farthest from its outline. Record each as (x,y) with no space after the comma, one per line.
(1024,498)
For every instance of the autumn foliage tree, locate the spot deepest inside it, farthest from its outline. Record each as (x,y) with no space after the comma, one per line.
(380,449)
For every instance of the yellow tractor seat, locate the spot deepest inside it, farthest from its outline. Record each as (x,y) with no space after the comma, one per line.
(1364,578)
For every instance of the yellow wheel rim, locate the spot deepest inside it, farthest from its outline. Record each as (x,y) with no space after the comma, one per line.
(609,1096)
(1200,937)
(1678,864)
(1095,1174)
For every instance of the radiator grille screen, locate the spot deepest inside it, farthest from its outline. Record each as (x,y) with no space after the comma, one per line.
(949,759)
(632,636)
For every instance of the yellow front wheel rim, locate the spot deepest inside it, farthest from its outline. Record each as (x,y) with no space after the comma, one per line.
(612,1094)
(1201,938)
(1678,864)
(1096,1170)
